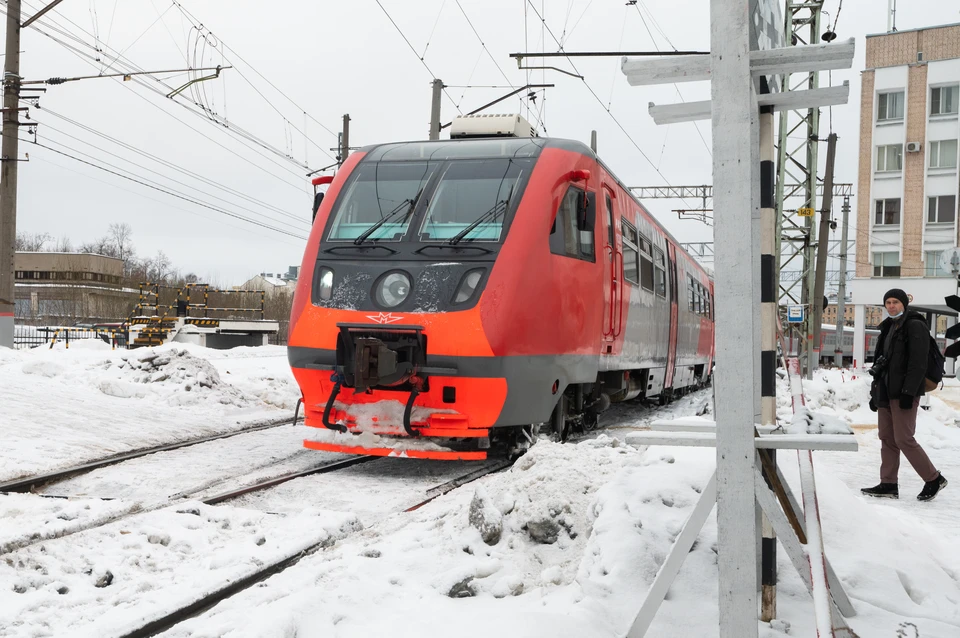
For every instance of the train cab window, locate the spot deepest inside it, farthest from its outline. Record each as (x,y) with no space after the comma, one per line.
(659,273)
(631,270)
(572,234)
(646,264)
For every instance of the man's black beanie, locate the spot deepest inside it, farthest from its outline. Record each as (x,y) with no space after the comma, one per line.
(898,294)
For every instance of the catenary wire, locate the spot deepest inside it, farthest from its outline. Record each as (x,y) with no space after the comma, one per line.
(597,98)
(167,191)
(92,60)
(167,164)
(422,61)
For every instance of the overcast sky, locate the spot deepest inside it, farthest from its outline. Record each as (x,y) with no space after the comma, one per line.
(330,58)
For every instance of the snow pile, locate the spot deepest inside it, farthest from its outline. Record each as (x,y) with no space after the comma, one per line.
(806,421)
(582,531)
(177,376)
(65,406)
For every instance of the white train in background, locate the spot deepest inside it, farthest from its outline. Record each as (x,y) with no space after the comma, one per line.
(828,344)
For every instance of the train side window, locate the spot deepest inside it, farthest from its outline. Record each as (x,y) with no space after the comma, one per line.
(631,271)
(586,223)
(610,220)
(660,273)
(646,264)
(564,235)
(691,294)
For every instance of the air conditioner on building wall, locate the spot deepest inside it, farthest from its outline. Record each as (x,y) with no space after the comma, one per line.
(913,147)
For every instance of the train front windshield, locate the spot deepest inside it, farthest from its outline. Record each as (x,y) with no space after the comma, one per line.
(453,200)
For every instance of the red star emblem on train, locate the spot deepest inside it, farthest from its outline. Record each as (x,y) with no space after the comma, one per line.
(384,317)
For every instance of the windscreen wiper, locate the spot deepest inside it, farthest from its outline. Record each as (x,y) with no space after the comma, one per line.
(409,203)
(493,213)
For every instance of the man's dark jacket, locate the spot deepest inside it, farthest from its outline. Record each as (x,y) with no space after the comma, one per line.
(907,360)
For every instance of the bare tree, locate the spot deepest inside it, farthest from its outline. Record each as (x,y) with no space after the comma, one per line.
(99,246)
(63,245)
(159,268)
(121,238)
(31,242)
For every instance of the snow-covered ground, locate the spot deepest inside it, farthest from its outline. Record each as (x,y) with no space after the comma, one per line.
(564,543)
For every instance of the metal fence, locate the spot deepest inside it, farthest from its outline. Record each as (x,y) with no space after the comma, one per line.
(25,337)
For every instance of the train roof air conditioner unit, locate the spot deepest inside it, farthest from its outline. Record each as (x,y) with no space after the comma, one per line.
(913,147)
(474,126)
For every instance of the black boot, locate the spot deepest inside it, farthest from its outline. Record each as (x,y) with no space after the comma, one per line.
(932,488)
(883,490)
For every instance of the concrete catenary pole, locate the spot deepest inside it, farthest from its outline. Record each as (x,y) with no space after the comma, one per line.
(435,110)
(9,150)
(345,139)
(842,290)
(822,249)
(736,202)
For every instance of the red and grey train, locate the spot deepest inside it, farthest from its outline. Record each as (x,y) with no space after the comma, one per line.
(458,295)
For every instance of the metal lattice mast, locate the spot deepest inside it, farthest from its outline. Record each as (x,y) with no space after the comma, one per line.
(797,164)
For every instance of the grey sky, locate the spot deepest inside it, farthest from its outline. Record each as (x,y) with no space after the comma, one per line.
(333,58)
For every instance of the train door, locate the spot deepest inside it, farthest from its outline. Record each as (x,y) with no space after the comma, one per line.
(612,295)
(674,313)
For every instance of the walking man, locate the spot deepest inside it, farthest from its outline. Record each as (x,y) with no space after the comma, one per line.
(899,366)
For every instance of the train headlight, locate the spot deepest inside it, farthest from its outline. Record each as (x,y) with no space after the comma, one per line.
(468,286)
(325,289)
(392,290)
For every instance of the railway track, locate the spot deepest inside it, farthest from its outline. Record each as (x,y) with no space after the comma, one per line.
(139,508)
(28,483)
(170,620)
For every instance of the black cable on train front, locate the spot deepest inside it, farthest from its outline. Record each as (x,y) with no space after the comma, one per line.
(326,410)
(407,411)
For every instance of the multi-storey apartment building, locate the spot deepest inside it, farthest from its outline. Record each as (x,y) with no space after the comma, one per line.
(908,180)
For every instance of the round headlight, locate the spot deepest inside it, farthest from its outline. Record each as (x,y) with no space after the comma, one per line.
(393,289)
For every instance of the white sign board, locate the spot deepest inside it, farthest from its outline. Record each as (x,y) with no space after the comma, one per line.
(767,32)
(794,314)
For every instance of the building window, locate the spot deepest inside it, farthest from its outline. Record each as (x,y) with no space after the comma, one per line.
(931,264)
(890,106)
(943,99)
(886,264)
(890,157)
(631,271)
(887,213)
(942,209)
(943,154)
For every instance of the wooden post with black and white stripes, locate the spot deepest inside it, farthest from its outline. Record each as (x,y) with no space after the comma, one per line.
(768,343)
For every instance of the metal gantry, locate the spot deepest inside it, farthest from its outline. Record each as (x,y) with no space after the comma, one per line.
(797,155)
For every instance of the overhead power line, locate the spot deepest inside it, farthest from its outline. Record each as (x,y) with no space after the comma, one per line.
(246,141)
(594,94)
(166,191)
(422,61)
(302,222)
(204,112)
